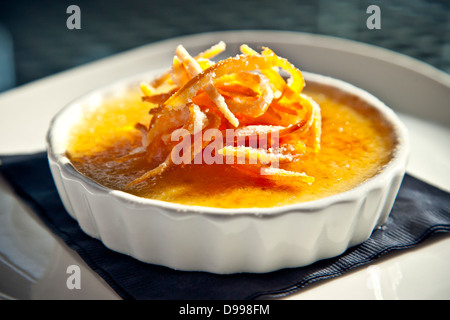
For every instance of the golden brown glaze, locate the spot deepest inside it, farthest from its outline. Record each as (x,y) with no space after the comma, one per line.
(356,144)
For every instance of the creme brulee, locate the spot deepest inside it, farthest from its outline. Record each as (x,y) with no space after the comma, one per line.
(355,145)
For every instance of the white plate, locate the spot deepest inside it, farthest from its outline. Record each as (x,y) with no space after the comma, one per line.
(34,263)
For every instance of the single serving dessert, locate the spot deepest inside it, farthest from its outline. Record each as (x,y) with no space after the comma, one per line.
(243,132)
(228,164)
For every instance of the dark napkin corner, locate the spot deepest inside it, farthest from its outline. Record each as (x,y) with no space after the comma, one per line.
(420,211)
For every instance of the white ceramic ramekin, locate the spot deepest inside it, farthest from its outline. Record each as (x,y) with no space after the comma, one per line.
(225,240)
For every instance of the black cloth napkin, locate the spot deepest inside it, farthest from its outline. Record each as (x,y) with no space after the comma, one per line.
(420,211)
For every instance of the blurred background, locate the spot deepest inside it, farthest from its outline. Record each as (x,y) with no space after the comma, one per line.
(35,41)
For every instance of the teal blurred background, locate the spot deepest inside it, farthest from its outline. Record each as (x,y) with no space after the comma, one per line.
(35,42)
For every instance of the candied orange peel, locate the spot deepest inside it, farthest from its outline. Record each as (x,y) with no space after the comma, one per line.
(272,121)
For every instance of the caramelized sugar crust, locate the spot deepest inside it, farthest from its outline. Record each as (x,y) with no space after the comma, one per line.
(356,144)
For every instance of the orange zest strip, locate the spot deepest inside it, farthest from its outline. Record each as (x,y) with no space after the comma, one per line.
(279,174)
(249,154)
(212,52)
(194,69)
(245,93)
